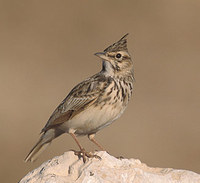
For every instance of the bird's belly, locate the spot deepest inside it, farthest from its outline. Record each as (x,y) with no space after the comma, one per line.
(93,119)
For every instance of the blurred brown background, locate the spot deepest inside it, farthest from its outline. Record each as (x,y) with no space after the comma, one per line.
(46,47)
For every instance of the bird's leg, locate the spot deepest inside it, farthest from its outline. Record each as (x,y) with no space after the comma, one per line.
(82,153)
(92,139)
(82,150)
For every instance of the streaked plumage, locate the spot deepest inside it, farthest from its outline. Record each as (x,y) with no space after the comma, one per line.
(94,103)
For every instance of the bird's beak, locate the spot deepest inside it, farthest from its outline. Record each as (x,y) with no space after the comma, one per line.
(101,55)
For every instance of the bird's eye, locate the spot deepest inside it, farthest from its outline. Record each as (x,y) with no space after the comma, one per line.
(118,55)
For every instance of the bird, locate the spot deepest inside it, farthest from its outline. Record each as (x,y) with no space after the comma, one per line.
(94,103)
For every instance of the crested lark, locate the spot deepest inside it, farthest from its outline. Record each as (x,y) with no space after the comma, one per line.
(94,103)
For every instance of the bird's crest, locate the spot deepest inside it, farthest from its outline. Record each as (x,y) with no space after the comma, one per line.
(120,45)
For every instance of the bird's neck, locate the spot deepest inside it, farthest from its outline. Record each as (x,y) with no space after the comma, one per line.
(107,68)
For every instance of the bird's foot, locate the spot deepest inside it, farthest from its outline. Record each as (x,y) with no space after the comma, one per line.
(84,154)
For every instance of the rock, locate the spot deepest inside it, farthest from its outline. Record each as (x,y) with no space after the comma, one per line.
(68,168)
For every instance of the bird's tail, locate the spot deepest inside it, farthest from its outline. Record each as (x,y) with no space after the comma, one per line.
(42,144)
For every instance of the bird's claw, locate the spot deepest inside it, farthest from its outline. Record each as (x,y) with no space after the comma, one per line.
(84,154)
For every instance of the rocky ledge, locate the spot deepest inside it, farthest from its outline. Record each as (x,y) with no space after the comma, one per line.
(68,168)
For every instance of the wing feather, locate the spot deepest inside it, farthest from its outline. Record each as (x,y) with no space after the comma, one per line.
(81,96)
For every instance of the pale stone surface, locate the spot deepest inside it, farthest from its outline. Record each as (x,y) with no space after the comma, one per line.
(69,169)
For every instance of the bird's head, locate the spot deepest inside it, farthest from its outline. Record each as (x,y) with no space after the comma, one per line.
(116,59)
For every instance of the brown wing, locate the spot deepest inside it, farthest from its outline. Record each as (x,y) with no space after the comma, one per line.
(81,97)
